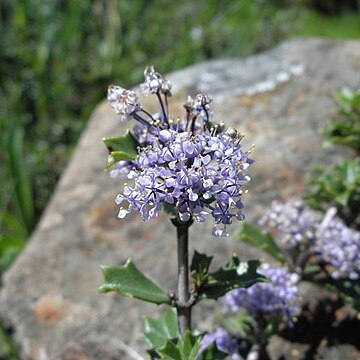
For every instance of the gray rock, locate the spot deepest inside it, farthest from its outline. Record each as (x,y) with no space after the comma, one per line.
(281,100)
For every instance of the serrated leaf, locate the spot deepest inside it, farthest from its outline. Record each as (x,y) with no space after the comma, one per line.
(117,156)
(200,261)
(189,346)
(185,348)
(169,351)
(129,281)
(121,148)
(233,275)
(199,267)
(126,143)
(254,236)
(158,331)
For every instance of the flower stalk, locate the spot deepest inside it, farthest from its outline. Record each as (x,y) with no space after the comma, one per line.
(183,296)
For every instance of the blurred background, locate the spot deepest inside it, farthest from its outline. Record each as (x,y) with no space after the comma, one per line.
(57,58)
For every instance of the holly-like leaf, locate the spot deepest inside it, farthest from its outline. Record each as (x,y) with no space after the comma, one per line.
(185,348)
(129,281)
(121,148)
(233,275)
(117,156)
(169,351)
(200,261)
(199,267)
(159,331)
(254,236)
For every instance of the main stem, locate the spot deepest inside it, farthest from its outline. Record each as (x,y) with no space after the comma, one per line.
(184,312)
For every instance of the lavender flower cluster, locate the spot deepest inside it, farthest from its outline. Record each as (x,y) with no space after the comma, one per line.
(327,239)
(281,296)
(293,220)
(339,247)
(192,165)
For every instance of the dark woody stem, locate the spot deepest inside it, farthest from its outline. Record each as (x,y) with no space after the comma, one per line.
(148,114)
(183,304)
(162,108)
(140,119)
(167,106)
(192,127)
(206,122)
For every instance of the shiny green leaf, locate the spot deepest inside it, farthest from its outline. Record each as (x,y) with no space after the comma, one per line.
(212,353)
(254,236)
(129,281)
(233,275)
(121,148)
(239,324)
(158,331)
(184,349)
(199,268)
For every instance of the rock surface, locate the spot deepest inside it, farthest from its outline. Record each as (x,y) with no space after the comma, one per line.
(280,99)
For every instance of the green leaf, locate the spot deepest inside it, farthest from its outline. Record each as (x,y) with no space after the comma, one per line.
(233,275)
(339,186)
(348,289)
(254,236)
(7,349)
(117,156)
(7,242)
(10,248)
(23,198)
(158,331)
(189,346)
(212,353)
(169,351)
(345,129)
(184,349)
(162,334)
(200,262)
(169,209)
(239,324)
(129,281)
(199,268)
(121,148)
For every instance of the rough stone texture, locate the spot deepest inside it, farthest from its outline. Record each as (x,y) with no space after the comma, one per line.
(281,100)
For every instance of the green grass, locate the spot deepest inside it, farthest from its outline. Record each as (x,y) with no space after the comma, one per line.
(345,26)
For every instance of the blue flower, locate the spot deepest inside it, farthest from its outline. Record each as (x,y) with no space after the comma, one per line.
(199,170)
(327,239)
(224,342)
(281,296)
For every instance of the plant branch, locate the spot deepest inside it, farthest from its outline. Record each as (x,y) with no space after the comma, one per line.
(183,304)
